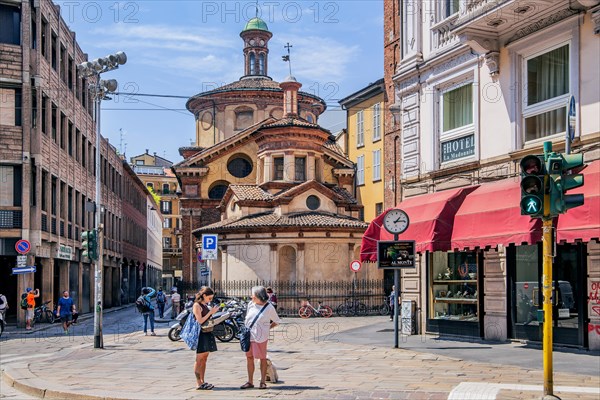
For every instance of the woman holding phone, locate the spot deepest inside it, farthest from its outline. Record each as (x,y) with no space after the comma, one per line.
(206,340)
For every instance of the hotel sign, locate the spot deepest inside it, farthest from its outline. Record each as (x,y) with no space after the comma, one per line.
(458,148)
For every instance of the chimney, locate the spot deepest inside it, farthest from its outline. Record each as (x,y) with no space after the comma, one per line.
(290,88)
(146,151)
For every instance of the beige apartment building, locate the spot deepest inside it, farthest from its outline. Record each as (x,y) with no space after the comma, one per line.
(156,174)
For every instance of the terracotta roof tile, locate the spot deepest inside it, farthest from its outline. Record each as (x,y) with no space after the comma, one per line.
(250,192)
(305,219)
(343,193)
(291,121)
(333,146)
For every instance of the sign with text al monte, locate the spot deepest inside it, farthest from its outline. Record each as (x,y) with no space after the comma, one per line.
(209,246)
(396,254)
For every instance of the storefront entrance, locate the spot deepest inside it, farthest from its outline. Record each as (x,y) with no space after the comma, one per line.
(569,273)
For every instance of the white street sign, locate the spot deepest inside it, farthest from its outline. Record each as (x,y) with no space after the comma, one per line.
(209,247)
(21,261)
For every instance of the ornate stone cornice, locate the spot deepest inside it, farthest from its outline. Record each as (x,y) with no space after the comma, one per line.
(542,23)
(492,60)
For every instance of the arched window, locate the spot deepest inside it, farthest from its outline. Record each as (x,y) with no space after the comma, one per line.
(261,64)
(217,190)
(252,62)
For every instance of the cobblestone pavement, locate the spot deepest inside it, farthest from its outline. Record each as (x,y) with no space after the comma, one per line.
(314,358)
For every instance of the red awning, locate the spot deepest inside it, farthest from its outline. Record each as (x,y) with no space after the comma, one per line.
(431,218)
(491,215)
(583,222)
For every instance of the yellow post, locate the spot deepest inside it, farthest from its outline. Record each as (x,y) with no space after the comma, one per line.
(547,293)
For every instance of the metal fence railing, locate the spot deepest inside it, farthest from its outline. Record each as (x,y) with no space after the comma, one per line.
(291,294)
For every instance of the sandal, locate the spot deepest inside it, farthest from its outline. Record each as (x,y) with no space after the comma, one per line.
(262,385)
(247,385)
(205,386)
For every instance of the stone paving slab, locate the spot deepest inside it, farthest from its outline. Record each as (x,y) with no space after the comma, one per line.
(310,366)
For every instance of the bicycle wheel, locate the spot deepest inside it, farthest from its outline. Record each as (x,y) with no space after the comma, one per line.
(48,317)
(384,309)
(326,311)
(340,311)
(305,312)
(361,309)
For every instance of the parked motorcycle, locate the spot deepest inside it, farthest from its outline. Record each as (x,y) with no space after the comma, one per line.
(175,330)
(230,327)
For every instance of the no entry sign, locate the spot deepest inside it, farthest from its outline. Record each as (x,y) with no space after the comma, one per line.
(23,246)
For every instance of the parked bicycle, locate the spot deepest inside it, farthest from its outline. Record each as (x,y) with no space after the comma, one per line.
(306,310)
(351,307)
(43,314)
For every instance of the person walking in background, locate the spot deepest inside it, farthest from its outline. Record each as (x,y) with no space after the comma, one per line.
(175,303)
(392,303)
(148,312)
(65,309)
(272,297)
(206,340)
(161,299)
(31,296)
(265,317)
(3,306)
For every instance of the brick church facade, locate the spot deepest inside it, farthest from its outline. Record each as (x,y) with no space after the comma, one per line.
(267,179)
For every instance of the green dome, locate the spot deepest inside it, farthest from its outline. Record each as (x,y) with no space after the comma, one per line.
(256,23)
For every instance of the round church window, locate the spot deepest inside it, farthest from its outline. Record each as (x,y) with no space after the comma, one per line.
(240,167)
(313,202)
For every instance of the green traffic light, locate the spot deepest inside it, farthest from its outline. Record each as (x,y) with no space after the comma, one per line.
(531,205)
(533,181)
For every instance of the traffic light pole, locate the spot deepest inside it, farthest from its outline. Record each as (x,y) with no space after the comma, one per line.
(98,290)
(548,241)
(547,254)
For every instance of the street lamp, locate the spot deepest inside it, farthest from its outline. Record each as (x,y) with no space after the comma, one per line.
(99,89)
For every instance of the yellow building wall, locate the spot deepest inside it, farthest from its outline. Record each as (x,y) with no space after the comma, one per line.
(217,170)
(371,192)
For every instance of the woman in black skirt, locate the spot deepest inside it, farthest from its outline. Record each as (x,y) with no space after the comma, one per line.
(206,341)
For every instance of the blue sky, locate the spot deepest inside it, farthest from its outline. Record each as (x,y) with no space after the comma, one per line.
(182,48)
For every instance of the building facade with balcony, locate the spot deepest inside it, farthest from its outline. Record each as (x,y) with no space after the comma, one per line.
(477,85)
(48,162)
(156,174)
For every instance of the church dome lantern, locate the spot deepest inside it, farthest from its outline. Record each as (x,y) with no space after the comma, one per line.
(256,36)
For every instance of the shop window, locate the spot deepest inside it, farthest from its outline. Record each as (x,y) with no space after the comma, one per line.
(10,24)
(454,290)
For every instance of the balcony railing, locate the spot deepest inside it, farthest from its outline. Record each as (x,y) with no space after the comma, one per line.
(442,33)
(10,219)
(172,250)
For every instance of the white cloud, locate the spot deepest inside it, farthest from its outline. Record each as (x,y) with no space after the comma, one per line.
(166,37)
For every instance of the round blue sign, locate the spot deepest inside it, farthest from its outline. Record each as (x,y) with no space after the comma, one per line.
(23,246)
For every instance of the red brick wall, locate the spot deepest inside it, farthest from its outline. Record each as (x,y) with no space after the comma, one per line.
(391,158)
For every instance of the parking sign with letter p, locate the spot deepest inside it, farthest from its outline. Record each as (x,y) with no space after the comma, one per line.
(209,247)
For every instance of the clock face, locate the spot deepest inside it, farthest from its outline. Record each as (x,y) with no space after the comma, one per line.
(395,221)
